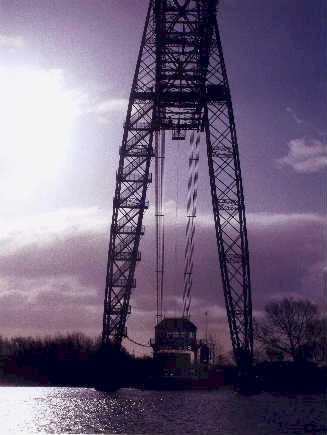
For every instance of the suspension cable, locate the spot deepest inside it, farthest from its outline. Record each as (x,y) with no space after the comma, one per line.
(191,206)
(137,343)
(176,230)
(160,254)
(162,263)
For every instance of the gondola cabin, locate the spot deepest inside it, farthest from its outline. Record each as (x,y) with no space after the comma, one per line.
(175,346)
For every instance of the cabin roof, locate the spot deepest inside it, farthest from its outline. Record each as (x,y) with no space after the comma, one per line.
(176,324)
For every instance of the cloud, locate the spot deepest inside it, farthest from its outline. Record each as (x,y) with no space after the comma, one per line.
(264,219)
(305,124)
(44,229)
(287,257)
(66,249)
(102,107)
(10,41)
(305,156)
(42,287)
(110,105)
(52,271)
(49,310)
(298,120)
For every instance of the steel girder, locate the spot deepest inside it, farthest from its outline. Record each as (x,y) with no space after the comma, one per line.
(180,84)
(228,203)
(129,201)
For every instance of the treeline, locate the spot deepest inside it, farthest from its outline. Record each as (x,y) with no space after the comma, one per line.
(69,360)
(77,360)
(57,360)
(290,355)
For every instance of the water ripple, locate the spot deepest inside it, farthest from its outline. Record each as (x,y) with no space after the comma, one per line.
(131,411)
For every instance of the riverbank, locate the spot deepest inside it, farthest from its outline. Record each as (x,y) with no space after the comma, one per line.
(280,377)
(75,360)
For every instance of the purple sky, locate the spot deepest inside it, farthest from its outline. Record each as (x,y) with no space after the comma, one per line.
(58,178)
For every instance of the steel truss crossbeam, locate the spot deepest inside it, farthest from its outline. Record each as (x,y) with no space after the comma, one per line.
(180,84)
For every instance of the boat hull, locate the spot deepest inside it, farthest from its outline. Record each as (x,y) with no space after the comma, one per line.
(202,378)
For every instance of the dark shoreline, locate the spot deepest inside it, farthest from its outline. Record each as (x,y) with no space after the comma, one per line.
(280,377)
(77,361)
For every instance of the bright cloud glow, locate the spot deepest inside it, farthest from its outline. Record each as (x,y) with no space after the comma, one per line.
(103,108)
(10,41)
(37,115)
(110,105)
(44,229)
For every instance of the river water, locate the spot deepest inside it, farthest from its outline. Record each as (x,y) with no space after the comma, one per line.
(131,411)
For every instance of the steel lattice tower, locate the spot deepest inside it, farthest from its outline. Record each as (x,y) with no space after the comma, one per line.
(180,84)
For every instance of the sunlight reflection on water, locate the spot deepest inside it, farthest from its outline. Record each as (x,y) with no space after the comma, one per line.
(83,410)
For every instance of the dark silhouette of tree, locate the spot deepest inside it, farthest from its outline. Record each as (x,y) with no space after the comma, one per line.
(316,344)
(58,360)
(291,329)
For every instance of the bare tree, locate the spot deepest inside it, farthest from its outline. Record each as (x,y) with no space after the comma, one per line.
(291,328)
(317,339)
